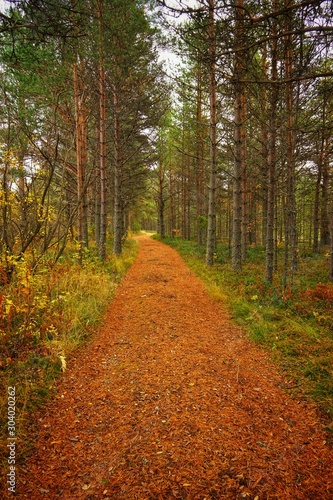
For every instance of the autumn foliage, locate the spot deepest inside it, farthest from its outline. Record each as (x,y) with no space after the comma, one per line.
(321,294)
(170,400)
(45,314)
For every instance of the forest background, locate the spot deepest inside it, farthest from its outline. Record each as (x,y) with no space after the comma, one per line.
(228,157)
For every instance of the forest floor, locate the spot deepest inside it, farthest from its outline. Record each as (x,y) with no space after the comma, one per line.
(169,400)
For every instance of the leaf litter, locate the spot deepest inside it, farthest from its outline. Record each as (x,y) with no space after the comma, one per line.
(170,400)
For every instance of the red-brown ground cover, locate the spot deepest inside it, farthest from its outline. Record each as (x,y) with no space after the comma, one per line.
(171,401)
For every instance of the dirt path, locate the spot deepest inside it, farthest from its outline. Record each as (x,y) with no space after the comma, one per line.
(170,401)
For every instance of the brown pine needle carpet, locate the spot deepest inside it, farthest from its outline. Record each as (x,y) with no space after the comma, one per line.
(171,401)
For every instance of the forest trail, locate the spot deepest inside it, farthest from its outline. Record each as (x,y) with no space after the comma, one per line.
(170,401)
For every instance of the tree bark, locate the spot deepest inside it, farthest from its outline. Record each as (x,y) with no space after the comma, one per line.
(118,202)
(102,140)
(239,139)
(245,211)
(160,208)
(173,222)
(81,155)
(211,229)
(291,229)
(331,247)
(324,218)
(184,179)
(316,209)
(200,169)
(271,194)
(264,97)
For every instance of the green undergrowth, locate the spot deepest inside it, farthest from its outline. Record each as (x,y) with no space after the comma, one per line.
(295,324)
(44,316)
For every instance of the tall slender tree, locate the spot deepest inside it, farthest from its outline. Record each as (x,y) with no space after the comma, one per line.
(239,163)
(211,227)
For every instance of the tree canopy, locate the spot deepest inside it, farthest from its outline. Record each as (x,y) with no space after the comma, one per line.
(234,145)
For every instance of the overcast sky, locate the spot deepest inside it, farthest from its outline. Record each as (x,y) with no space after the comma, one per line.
(3,5)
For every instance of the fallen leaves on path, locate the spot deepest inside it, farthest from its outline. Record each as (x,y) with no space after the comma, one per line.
(171,401)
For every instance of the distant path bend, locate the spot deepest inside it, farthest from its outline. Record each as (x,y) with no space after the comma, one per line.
(171,401)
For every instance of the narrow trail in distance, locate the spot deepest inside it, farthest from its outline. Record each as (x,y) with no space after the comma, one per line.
(169,400)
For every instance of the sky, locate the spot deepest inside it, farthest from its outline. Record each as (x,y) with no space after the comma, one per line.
(3,5)
(166,56)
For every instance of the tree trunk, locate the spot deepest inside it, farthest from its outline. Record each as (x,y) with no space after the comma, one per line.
(271,195)
(239,166)
(316,211)
(211,229)
(173,222)
(200,169)
(7,241)
(245,217)
(97,208)
(324,219)
(81,155)
(331,249)
(183,179)
(291,229)
(118,204)
(160,208)
(102,140)
(264,96)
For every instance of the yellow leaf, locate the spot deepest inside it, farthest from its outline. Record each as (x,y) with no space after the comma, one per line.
(63,363)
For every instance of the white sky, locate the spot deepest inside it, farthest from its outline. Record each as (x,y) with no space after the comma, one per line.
(3,5)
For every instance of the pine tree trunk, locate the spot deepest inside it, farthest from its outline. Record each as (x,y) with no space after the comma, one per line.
(211,229)
(316,211)
(200,174)
(160,208)
(118,204)
(85,238)
(237,193)
(324,219)
(331,249)
(102,140)
(81,156)
(291,228)
(183,181)
(188,199)
(271,195)
(97,207)
(239,167)
(5,239)
(264,147)
(245,212)
(173,222)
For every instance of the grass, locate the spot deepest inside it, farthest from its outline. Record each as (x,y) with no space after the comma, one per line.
(295,324)
(45,316)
